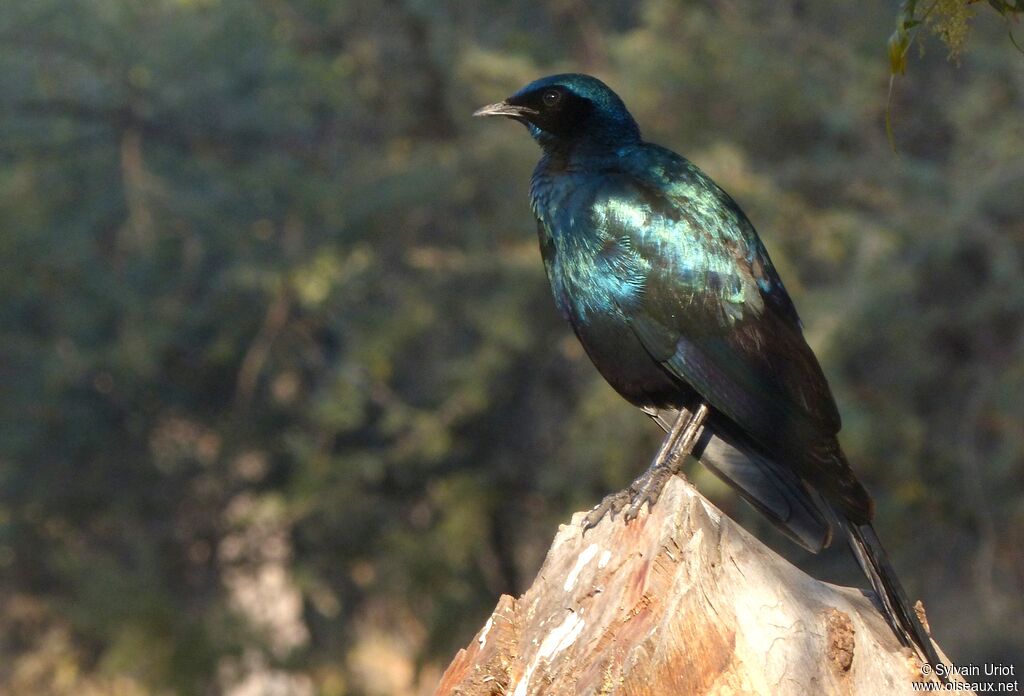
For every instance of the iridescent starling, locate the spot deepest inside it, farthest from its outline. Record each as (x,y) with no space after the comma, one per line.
(677,303)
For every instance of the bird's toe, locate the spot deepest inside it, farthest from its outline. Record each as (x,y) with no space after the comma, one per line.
(647,490)
(610,506)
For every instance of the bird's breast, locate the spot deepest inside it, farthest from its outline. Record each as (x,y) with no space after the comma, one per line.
(596,277)
(592,275)
(592,267)
(596,302)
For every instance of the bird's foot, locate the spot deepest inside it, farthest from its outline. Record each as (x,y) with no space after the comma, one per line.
(646,488)
(610,506)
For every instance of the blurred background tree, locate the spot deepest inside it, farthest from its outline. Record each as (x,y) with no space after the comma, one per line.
(285,402)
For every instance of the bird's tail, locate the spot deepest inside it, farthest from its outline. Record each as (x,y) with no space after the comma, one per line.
(898,610)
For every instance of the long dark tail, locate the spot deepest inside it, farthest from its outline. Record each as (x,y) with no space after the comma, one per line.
(898,611)
(779,493)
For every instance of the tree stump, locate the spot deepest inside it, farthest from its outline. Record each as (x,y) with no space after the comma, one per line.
(679,601)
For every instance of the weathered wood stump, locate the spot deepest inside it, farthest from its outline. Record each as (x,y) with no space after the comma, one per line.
(679,601)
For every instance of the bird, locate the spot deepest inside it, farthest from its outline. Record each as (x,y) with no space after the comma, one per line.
(678,305)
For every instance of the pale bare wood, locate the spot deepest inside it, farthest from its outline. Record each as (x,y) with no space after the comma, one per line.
(679,601)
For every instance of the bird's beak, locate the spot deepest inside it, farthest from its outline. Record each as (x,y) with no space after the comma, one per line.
(505,109)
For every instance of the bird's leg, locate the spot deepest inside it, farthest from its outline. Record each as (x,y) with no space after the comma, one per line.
(647,487)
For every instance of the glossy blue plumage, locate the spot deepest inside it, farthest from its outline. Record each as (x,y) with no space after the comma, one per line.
(670,290)
(677,303)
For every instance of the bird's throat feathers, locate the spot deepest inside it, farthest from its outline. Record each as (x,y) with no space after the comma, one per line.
(596,140)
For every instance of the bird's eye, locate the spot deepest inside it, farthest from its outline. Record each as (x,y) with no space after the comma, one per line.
(551,97)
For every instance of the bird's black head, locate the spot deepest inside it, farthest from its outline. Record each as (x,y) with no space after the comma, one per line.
(567,110)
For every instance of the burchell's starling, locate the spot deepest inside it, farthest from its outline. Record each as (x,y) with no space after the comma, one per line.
(678,305)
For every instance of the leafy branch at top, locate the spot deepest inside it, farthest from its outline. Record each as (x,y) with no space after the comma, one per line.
(947,19)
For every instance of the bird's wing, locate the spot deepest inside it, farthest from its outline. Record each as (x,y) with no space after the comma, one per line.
(711,308)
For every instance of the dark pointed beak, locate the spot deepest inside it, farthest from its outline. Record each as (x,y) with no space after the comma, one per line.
(505,109)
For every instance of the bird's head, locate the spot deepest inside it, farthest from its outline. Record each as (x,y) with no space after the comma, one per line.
(566,110)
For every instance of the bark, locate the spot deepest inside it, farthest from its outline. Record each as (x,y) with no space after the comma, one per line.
(679,601)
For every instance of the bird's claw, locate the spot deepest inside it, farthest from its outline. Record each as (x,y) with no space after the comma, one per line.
(646,488)
(610,505)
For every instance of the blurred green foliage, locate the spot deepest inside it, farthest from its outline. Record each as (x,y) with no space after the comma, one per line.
(285,400)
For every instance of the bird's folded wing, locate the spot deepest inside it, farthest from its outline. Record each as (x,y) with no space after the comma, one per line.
(712,310)
(765,380)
